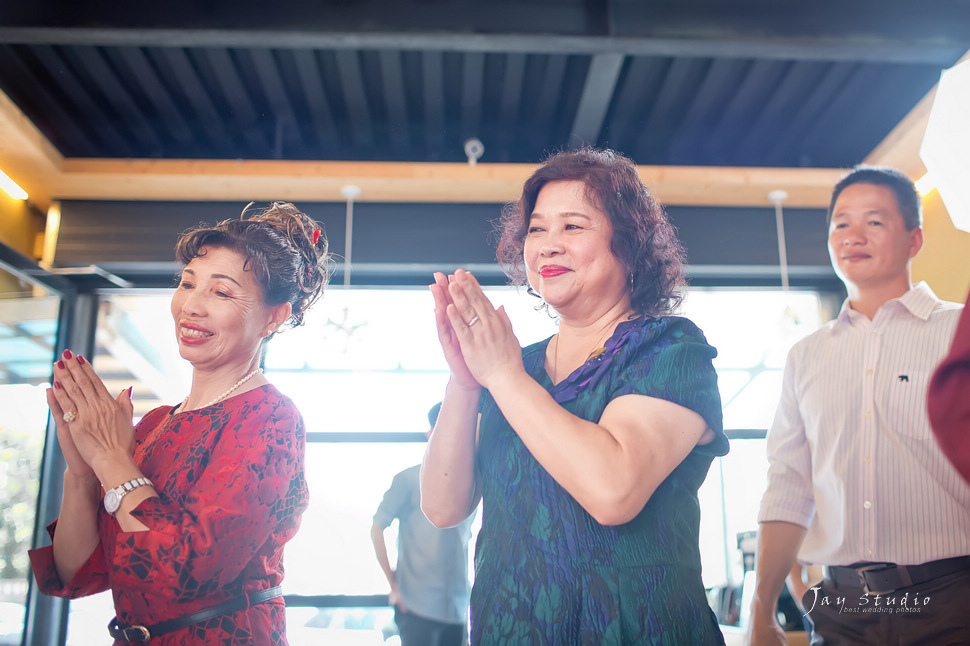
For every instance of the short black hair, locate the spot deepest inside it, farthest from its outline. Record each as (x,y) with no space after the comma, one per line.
(907,198)
(433,414)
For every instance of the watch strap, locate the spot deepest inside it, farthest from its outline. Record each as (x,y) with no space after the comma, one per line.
(127,487)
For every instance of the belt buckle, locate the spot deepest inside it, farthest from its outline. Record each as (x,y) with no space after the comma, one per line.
(861,571)
(141,634)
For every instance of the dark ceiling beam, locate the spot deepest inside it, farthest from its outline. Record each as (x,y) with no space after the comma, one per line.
(545,103)
(80,98)
(287,128)
(146,79)
(73,135)
(604,70)
(358,107)
(472,82)
(433,90)
(208,118)
(118,96)
(939,51)
(395,100)
(243,113)
(510,100)
(321,115)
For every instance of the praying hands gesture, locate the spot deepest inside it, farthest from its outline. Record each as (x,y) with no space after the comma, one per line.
(94,429)
(476,337)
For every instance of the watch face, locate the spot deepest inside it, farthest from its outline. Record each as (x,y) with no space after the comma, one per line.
(111,501)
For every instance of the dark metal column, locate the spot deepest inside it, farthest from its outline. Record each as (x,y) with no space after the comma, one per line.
(46,621)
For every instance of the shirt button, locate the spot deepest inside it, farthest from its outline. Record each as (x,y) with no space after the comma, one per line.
(874,334)
(867,459)
(868,552)
(867,504)
(868,413)
(869,371)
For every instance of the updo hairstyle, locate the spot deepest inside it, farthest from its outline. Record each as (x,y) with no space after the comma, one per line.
(284,248)
(644,240)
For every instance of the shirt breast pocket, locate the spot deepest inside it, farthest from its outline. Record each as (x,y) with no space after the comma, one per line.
(905,403)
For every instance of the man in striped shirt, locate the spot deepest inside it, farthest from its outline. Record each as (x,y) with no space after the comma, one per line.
(856,481)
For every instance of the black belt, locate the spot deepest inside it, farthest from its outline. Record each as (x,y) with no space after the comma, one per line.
(136,633)
(883,578)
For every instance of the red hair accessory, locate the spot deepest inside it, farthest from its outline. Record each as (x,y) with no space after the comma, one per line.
(316,236)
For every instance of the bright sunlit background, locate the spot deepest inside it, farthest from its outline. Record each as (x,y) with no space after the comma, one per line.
(367,363)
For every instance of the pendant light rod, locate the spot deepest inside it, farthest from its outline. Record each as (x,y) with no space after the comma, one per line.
(350,192)
(777,197)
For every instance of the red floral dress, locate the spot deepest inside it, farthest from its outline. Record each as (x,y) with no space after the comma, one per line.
(230,479)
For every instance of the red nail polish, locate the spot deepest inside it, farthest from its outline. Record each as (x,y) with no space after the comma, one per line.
(80,359)
(67,354)
(57,385)
(60,364)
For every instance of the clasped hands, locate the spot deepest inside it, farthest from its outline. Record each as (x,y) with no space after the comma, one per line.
(93,428)
(476,337)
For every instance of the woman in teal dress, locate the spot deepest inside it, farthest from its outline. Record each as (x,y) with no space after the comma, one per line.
(587,448)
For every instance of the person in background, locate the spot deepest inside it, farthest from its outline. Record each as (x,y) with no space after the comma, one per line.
(429,586)
(587,448)
(948,400)
(856,482)
(184,517)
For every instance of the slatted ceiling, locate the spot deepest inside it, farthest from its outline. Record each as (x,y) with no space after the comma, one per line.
(269,73)
(638,78)
(601,78)
(841,111)
(789,143)
(794,89)
(883,86)
(507,124)
(699,124)
(419,103)
(542,104)
(682,78)
(109,90)
(239,109)
(433,99)
(356,106)
(321,117)
(79,99)
(395,104)
(472,85)
(140,78)
(180,70)
(50,115)
(744,109)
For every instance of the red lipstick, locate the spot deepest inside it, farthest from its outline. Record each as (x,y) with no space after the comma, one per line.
(551,271)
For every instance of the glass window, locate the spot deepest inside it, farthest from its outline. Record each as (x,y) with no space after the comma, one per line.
(367,363)
(752,331)
(28,330)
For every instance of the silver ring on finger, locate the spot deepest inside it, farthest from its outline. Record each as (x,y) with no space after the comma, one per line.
(473,321)
(70,416)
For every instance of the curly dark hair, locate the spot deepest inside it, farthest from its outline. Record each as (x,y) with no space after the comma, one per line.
(644,241)
(284,248)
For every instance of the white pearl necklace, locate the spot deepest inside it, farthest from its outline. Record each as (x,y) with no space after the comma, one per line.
(218,399)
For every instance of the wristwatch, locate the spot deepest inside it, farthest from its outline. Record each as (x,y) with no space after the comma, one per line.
(112,497)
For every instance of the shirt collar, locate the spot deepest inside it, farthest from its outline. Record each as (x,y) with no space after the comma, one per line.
(920,301)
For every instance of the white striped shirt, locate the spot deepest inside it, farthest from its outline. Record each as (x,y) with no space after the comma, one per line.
(851,453)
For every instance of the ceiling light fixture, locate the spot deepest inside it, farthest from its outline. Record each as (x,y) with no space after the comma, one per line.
(11,188)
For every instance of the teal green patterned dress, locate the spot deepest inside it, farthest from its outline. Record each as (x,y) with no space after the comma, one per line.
(546,571)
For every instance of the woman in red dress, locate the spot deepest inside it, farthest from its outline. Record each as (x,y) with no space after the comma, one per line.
(184,517)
